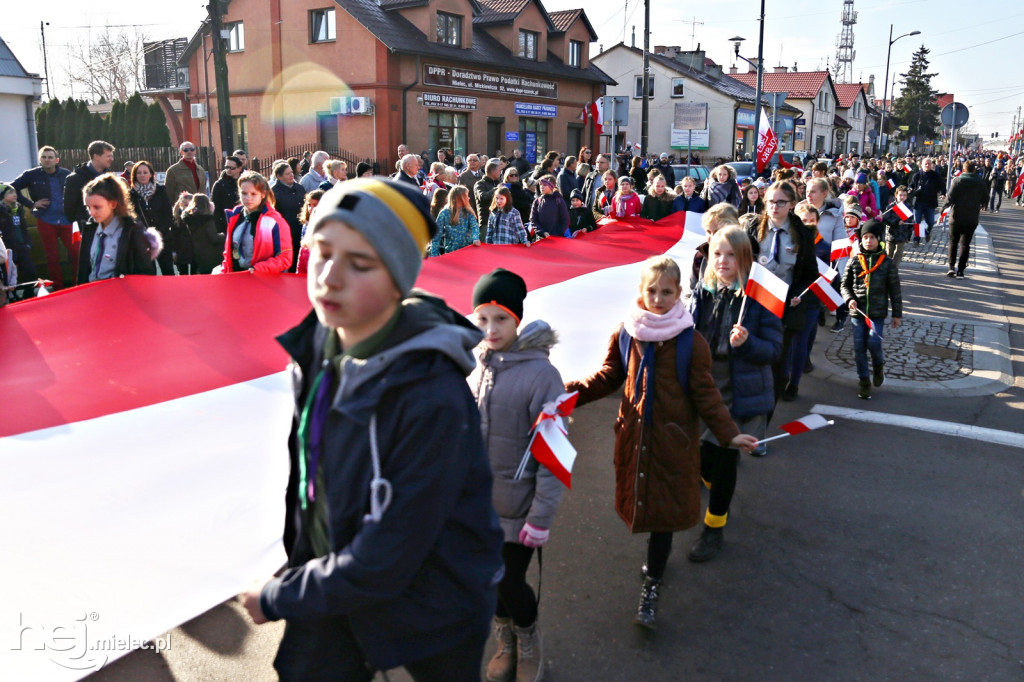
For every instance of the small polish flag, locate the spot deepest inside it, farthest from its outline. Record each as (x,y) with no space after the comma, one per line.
(767,289)
(957,174)
(907,168)
(902,211)
(918,231)
(549,444)
(805,424)
(889,181)
(822,288)
(945,214)
(868,322)
(825,271)
(841,248)
(76,234)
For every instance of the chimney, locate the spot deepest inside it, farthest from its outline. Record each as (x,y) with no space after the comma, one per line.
(751,68)
(780,69)
(715,71)
(634,36)
(733,69)
(659,49)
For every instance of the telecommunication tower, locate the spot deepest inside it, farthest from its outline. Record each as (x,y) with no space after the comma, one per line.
(845,53)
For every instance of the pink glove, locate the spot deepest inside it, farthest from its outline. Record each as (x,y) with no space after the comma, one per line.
(531,536)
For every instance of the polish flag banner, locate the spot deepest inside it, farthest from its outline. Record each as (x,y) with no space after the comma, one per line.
(149,437)
(585,113)
(891,183)
(767,142)
(944,215)
(811,422)
(824,290)
(76,234)
(868,322)
(902,211)
(825,271)
(767,289)
(957,173)
(907,168)
(1017,188)
(918,231)
(841,249)
(550,444)
(597,115)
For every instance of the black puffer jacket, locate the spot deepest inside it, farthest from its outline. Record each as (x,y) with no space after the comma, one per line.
(874,292)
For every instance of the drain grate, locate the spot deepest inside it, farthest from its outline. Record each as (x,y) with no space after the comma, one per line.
(937,351)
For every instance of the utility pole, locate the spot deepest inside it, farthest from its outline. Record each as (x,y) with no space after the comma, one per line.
(220,70)
(46,67)
(645,106)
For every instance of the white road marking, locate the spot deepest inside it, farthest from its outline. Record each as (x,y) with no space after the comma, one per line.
(1015,440)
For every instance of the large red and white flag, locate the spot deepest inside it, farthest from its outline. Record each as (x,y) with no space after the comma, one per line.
(804,424)
(597,114)
(1017,188)
(767,289)
(767,142)
(902,210)
(585,113)
(156,432)
(841,248)
(824,290)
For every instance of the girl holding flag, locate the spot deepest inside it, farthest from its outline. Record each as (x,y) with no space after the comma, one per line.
(742,354)
(666,367)
(513,380)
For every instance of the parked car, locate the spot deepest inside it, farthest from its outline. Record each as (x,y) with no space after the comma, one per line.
(744,169)
(698,173)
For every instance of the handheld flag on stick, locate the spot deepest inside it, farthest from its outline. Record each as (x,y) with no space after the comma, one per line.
(841,248)
(767,289)
(918,231)
(890,183)
(825,271)
(823,289)
(945,214)
(902,210)
(811,422)
(549,444)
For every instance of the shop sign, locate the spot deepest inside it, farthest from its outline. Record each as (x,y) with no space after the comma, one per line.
(458,102)
(745,118)
(486,81)
(536,110)
(512,137)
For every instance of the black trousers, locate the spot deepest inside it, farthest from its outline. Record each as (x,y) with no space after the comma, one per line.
(718,467)
(516,599)
(960,238)
(659,547)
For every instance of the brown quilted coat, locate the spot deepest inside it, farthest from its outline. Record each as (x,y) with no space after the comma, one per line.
(657,466)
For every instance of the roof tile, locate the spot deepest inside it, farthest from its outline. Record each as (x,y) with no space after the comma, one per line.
(848,93)
(801,85)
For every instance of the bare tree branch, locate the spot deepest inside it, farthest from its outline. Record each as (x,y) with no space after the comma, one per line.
(112,67)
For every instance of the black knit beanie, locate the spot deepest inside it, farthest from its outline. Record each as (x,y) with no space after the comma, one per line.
(502,288)
(872,227)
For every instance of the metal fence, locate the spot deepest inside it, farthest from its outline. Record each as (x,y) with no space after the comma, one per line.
(265,166)
(162,158)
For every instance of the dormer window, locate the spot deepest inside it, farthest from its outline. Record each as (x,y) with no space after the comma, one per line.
(575,53)
(449,29)
(528,44)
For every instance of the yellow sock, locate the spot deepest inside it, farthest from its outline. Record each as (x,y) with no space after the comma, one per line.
(715,521)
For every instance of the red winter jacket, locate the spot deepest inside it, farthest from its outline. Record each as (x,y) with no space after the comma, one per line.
(271,245)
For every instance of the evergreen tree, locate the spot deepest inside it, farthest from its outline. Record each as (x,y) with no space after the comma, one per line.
(157,134)
(42,134)
(135,121)
(116,124)
(83,125)
(916,107)
(67,134)
(55,123)
(100,128)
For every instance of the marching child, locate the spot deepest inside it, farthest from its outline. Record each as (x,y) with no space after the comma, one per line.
(897,231)
(852,215)
(742,354)
(14,230)
(505,225)
(512,382)
(870,282)
(666,367)
(626,202)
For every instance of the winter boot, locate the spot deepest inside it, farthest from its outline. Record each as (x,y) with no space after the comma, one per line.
(864,390)
(707,546)
(647,610)
(502,666)
(879,376)
(530,662)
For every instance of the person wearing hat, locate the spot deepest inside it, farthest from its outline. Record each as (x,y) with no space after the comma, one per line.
(851,220)
(666,170)
(871,281)
(549,215)
(513,382)
(14,230)
(581,218)
(394,549)
(363,170)
(865,196)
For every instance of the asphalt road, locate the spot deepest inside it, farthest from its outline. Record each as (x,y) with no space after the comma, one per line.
(859,552)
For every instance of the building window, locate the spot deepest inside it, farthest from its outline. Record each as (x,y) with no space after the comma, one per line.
(528,44)
(240,131)
(533,138)
(236,36)
(575,53)
(677,87)
(449,29)
(447,131)
(321,26)
(638,87)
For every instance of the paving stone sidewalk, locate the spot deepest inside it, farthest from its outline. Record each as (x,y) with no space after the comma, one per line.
(917,350)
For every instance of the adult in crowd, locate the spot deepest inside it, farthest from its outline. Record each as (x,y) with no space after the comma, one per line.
(666,169)
(287,199)
(722,187)
(483,192)
(101,156)
(225,191)
(243,158)
(659,202)
(408,170)
(45,185)
(186,175)
(997,182)
(925,187)
(521,164)
(258,238)
(336,171)
(585,155)
(472,174)
(152,208)
(593,182)
(207,241)
(522,200)
(689,200)
(567,177)
(113,243)
(966,198)
(548,166)
(316,175)
(549,213)
(639,174)
(305,163)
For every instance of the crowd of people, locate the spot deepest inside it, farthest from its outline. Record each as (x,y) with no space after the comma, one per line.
(411,521)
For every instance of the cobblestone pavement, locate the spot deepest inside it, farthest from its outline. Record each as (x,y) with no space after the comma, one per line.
(917,350)
(935,252)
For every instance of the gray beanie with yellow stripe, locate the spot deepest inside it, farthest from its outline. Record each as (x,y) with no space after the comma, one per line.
(393,216)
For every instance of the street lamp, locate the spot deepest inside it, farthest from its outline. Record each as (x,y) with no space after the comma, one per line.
(760,72)
(885,95)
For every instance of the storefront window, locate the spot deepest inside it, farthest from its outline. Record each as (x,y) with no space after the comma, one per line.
(447,131)
(533,138)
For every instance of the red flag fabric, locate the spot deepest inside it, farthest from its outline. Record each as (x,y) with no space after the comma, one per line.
(902,210)
(822,288)
(841,248)
(767,289)
(549,444)
(805,424)
(597,115)
(767,142)
(585,113)
(918,231)
(889,181)
(1018,187)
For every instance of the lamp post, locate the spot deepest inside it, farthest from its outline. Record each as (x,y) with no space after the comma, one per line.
(885,95)
(760,74)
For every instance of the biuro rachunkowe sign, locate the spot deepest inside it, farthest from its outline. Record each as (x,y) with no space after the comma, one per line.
(454,77)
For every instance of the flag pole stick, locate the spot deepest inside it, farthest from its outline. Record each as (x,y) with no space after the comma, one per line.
(743,308)
(831,422)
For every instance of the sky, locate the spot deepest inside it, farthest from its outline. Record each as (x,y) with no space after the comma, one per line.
(972,52)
